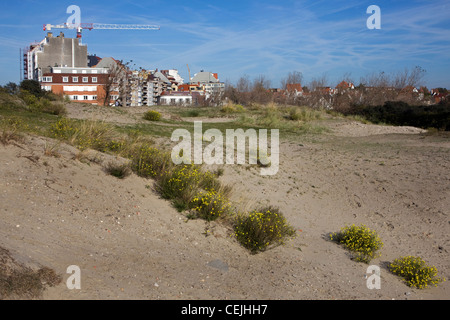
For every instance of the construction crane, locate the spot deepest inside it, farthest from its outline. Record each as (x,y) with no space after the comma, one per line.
(99,26)
(189,71)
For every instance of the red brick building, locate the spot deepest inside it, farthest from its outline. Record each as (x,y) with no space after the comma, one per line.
(79,84)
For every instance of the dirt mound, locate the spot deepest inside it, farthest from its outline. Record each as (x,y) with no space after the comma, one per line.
(358,129)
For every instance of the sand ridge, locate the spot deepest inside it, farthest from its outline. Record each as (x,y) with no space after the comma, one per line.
(131,244)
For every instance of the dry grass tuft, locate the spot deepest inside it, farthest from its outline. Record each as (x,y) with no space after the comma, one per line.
(20,282)
(118,170)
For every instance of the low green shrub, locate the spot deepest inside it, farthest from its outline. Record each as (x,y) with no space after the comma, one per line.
(43,104)
(116,145)
(303,114)
(152,115)
(84,134)
(148,161)
(261,229)
(117,170)
(210,205)
(209,181)
(63,129)
(399,113)
(192,113)
(11,130)
(180,181)
(55,108)
(360,240)
(231,108)
(415,272)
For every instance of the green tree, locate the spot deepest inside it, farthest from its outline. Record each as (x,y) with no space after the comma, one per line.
(33,87)
(11,88)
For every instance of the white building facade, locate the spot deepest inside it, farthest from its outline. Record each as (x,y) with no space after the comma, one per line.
(176,99)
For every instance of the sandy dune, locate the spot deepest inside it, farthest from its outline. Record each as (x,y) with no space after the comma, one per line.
(130,244)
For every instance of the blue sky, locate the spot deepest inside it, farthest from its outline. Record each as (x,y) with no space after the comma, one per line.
(248,37)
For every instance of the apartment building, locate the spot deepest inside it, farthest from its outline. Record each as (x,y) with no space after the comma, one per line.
(178,98)
(51,52)
(174,77)
(63,66)
(79,84)
(210,82)
(153,87)
(191,88)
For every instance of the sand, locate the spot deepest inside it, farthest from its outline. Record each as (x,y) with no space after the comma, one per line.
(63,209)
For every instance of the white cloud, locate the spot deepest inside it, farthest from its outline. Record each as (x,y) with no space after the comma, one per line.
(309,36)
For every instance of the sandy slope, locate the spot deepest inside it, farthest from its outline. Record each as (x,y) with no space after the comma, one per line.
(130,244)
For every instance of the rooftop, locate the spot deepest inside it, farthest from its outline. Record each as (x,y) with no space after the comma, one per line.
(203,77)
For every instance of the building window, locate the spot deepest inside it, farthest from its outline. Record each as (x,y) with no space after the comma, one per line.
(94,97)
(75,79)
(65,79)
(75,98)
(85,98)
(85,79)
(46,79)
(94,79)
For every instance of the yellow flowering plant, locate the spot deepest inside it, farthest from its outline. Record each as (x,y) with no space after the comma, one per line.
(152,115)
(415,272)
(179,180)
(84,134)
(182,183)
(363,242)
(149,162)
(209,205)
(63,129)
(261,229)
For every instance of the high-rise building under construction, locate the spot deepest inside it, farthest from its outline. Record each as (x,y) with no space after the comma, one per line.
(51,52)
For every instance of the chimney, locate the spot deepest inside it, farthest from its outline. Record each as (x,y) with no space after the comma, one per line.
(49,34)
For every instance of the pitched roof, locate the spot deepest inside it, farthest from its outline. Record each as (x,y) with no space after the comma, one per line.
(294,87)
(203,76)
(163,78)
(345,85)
(107,62)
